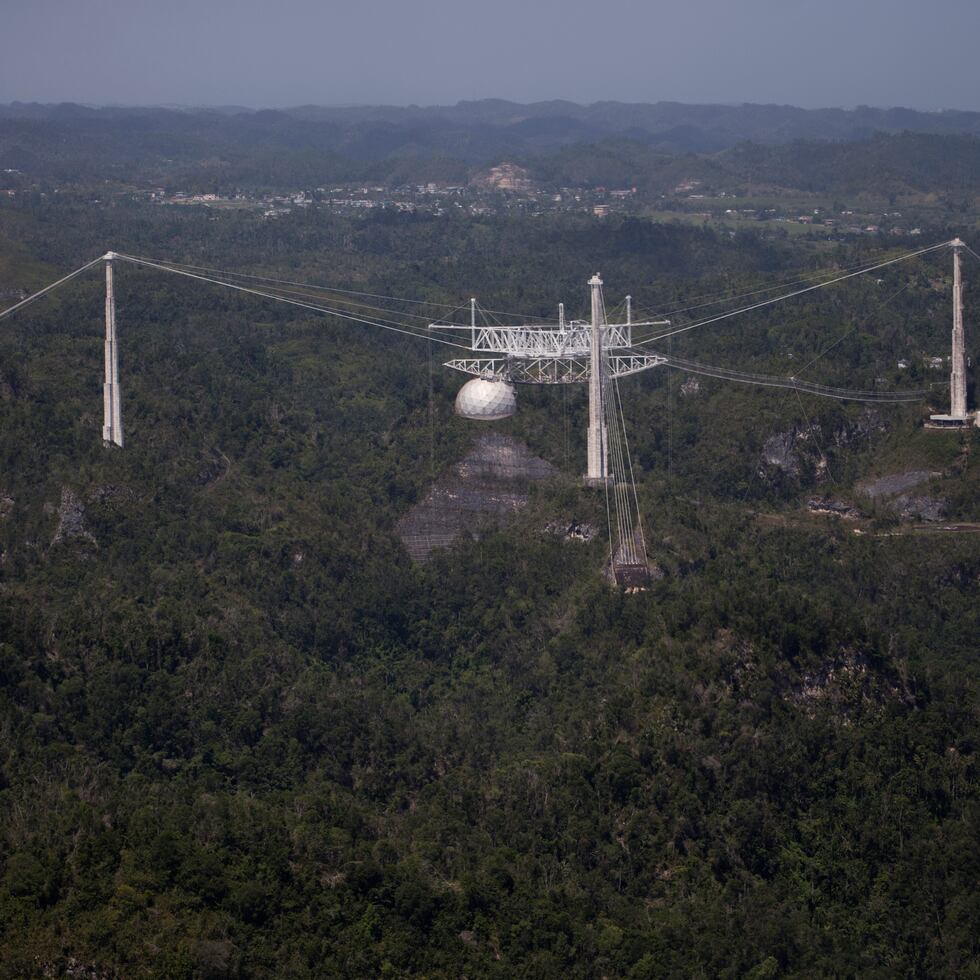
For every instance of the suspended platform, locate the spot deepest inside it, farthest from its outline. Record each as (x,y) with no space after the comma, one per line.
(629,566)
(630,576)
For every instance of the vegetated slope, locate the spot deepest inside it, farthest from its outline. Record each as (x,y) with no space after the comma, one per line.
(244,736)
(678,126)
(308,147)
(883,165)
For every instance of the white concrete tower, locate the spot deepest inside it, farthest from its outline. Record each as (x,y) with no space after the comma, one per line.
(112,430)
(957,375)
(598,455)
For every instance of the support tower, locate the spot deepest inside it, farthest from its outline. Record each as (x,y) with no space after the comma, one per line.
(958,416)
(957,377)
(112,430)
(597,471)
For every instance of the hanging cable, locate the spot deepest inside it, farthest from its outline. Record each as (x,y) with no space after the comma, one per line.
(622,535)
(785,296)
(813,433)
(615,471)
(811,387)
(286,293)
(670,425)
(620,483)
(629,458)
(727,296)
(47,289)
(848,333)
(611,531)
(314,286)
(432,418)
(796,383)
(564,415)
(289,282)
(343,314)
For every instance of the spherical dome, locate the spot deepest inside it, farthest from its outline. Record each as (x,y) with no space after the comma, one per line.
(486,401)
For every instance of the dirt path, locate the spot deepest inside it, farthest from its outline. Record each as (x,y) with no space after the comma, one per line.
(793,520)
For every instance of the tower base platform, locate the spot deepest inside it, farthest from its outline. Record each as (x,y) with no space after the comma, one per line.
(949,422)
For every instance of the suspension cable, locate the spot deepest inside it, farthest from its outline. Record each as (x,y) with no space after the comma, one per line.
(343,314)
(629,459)
(785,296)
(711,299)
(811,387)
(308,292)
(290,282)
(47,289)
(314,286)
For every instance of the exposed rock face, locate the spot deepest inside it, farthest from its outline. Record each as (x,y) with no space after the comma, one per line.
(75,969)
(71,520)
(845,684)
(808,444)
(868,423)
(214,470)
(787,451)
(778,452)
(885,486)
(110,492)
(6,505)
(919,508)
(572,530)
(889,491)
(490,484)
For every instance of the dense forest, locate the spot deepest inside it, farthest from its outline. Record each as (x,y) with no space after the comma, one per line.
(245,736)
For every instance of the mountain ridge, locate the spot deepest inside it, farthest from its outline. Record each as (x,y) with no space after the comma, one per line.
(682,126)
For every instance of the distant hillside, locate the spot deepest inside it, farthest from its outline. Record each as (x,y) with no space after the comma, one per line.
(476,131)
(884,164)
(652,147)
(907,161)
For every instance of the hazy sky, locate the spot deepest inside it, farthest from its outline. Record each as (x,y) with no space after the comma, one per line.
(287,52)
